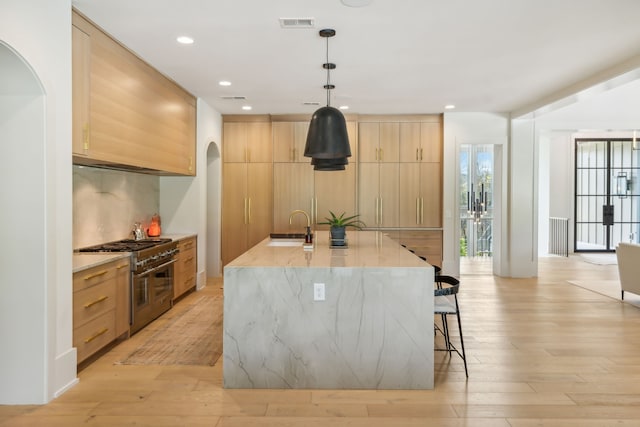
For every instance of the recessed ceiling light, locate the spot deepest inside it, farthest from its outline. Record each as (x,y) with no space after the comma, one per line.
(185,40)
(224,83)
(356,3)
(344,107)
(246,107)
(449,107)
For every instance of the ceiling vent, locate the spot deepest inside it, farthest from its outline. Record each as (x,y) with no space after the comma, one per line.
(233,97)
(297,22)
(311,103)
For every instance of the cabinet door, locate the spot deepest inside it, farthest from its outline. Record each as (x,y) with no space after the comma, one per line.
(335,191)
(410,142)
(283,147)
(431,193)
(369,193)
(234,211)
(81,45)
(389,140)
(368,142)
(235,142)
(410,196)
(389,197)
(259,202)
(431,142)
(292,189)
(259,142)
(123,297)
(247,142)
(420,195)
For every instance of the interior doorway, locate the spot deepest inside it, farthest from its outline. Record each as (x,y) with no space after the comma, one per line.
(607,194)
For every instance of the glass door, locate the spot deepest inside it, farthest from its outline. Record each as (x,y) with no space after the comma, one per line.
(476,200)
(607,194)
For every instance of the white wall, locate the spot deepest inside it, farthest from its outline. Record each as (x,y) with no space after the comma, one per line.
(40,32)
(183,200)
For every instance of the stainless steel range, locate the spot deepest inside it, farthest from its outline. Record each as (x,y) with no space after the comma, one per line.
(151,276)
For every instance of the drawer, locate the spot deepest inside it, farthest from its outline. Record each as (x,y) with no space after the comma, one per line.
(187,244)
(92,302)
(93,276)
(92,336)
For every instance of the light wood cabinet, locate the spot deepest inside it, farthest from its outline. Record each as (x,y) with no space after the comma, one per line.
(378,196)
(80,69)
(185,267)
(421,141)
(420,195)
(125,113)
(289,140)
(247,206)
(99,315)
(247,142)
(378,142)
(293,188)
(123,297)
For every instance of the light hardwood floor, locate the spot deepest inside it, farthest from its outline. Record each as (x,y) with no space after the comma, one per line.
(541,352)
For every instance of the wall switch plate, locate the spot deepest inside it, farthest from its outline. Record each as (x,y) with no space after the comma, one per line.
(318,291)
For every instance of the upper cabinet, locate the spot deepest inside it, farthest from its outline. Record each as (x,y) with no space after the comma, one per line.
(125,113)
(378,142)
(421,141)
(289,140)
(247,142)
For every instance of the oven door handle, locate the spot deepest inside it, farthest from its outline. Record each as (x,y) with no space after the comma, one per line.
(151,270)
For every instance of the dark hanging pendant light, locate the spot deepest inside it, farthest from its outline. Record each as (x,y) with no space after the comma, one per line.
(327,139)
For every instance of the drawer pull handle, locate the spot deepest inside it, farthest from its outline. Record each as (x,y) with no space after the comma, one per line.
(92,303)
(188,259)
(122,266)
(94,275)
(102,332)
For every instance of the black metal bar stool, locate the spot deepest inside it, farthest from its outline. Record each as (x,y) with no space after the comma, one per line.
(445,303)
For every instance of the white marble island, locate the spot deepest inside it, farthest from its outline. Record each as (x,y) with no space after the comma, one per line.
(373,330)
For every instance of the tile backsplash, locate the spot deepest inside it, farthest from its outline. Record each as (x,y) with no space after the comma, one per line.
(106,204)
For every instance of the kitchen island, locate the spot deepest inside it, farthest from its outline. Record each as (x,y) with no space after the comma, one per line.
(351,318)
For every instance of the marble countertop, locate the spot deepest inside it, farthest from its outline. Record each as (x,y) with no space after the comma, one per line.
(365,249)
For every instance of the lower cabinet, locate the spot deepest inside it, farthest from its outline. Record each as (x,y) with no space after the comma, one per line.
(100,306)
(185,267)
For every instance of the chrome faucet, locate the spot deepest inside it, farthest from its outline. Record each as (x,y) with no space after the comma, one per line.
(307,235)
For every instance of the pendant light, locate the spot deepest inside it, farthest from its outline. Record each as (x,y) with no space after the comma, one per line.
(327,139)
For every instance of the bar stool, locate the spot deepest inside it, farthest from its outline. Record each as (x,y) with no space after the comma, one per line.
(445,303)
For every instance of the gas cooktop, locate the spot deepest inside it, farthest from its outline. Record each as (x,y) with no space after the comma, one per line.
(126,245)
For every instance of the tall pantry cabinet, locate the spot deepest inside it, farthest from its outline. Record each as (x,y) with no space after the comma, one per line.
(247,184)
(378,174)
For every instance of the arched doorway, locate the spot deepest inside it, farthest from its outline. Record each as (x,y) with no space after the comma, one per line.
(23,269)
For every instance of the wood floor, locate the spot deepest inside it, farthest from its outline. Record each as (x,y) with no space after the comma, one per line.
(542,352)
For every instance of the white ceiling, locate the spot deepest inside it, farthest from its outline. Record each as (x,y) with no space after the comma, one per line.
(393,56)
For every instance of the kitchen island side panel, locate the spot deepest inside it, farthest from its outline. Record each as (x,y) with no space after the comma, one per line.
(374,330)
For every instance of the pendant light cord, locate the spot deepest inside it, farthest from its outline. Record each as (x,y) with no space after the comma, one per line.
(328,75)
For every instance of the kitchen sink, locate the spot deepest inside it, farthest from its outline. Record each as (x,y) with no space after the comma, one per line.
(287,235)
(285,242)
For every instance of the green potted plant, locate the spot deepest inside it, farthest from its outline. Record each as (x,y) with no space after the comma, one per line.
(337,225)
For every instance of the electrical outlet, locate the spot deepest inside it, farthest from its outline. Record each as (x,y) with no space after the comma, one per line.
(318,291)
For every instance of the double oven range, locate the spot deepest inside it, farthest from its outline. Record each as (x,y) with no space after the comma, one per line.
(151,276)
